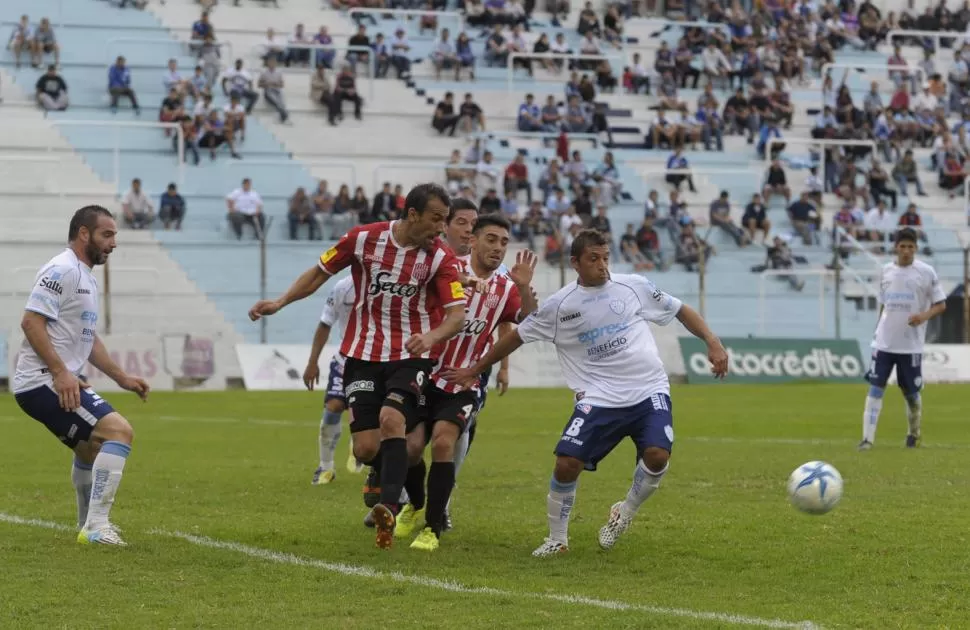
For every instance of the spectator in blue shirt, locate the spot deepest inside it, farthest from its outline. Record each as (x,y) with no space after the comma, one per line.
(677,162)
(529,118)
(171,208)
(201,29)
(769,130)
(119,84)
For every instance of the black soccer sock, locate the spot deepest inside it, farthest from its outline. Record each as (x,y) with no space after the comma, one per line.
(376,464)
(441,480)
(394,470)
(414,484)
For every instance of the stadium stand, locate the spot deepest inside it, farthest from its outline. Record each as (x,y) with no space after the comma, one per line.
(394,142)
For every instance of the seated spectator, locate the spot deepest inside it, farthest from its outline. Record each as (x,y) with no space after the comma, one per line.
(738,117)
(296,53)
(137,207)
(912,220)
(906,172)
(382,208)
(172,109)
(445,118)
(465,55)
(172,80)
(631,252)
(952,174)
(43,43)
(605,79)
(577,173)
(210,58)
(776,182)
(607,177)
(190,136)
(325,54)
(639,77)
(214,135)
(678,162)
(271,82)
(577,118)
(171,208)
(20,39)
(359,40)
(321,92)
(457,174)
(360,206)
(496,48)
(601,223)
(517,178)
(769,131)
(119,84)
(273,47)
(246,207)
(238,81)
(557,203)
(879,184)
(529,117)
(779,256)
(443,55)
(664,132)
(550,118)
(720,216)
(510,210)
(322,205)
(301,213)
(692,248)
(805,219)
(342,216)
(879,224)
(400,49)
(471,116)
(849,221)
(568,221)
(651,206)
(814,186)
(487,172)
(198,83)
(490,203)
(715,64)
(52,91)
(201,29)
(756,218)
(382,56)
(235,115)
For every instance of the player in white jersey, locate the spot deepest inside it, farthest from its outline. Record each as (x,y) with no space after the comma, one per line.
(909,295)
(333,319)
(599,325)
(60,330)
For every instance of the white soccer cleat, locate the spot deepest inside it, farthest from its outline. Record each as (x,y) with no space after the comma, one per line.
(550,547)
(106,535)
(615,526)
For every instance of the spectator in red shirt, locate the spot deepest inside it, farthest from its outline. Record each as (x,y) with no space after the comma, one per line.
(912,220)
(517,178)
(900,99)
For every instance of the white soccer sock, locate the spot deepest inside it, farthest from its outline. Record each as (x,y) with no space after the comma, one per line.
(870,417)
(559,503)
(329,436)
(106,474)
(81,478)
(645,483)
(914,413)
(461,450)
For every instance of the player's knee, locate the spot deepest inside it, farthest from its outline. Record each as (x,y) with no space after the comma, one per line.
(415,443)
(876,392)
(567,469)
(443,445)
(335,405)
(113,428)
(655,458)
(366,445)
(392,422)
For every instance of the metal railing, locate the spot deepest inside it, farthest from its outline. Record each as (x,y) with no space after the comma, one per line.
(888,68)
(510,77)
(816,142)
(488,136)
(303,165)
(185,47)
(936,36)
(407,13)
(371,60)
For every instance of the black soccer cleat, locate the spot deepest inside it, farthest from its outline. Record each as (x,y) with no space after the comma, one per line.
(912,441)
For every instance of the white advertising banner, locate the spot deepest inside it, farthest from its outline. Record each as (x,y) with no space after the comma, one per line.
(167,362)
(945,363)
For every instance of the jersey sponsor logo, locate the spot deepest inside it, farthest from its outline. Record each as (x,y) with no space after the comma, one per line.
(492,300)
(84,291)
(569,316)
(420,272)
(590,336)
(89,316)
(617,306)
(605,350)
(457,291)
(359,386)
(658,295)
(50,282)
(381,284)
(328,255)
(473,327)
(584,407)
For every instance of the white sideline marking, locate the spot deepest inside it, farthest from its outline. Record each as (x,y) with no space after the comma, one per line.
(442,585)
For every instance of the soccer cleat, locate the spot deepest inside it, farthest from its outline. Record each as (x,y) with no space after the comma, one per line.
(550,547)
(384,522)
(865,445)
(322,477)
(107,535)
(615,526)
(353,466)
(372,489)
(913,441)
(407,520)
(447,524)
(426,540)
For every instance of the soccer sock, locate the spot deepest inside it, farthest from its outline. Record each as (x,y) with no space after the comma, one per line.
(914,413)
(329,435)
(414,484)
(394,470)
(81,478)
(441,479)
(559,503)
(645,483)
(106,475)
(461,449)
(870,417)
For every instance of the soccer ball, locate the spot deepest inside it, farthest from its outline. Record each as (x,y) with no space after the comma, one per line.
(815,487)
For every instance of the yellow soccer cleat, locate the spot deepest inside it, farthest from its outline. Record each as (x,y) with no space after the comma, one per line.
(353,466)
(322,477)
(426,540)
(407,520)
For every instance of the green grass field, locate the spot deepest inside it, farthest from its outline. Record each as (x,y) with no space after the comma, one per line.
(225,530)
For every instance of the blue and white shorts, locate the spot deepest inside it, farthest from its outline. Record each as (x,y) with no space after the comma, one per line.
(335,383)
(70,427)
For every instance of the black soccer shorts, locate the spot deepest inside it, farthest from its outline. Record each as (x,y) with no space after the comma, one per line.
(370,385)
(458,408)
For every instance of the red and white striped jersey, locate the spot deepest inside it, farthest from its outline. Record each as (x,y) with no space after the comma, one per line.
(400,291)
(483,313)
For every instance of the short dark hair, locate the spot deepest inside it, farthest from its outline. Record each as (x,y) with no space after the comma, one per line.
(419,196)
(86,217)
(492,220)
(907,234)
(586,239)
(457,205)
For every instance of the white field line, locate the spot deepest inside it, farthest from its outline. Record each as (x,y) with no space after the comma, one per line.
(441,585)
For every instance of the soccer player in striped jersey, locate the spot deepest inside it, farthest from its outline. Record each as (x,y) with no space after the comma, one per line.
(334,318)
(409,300)
(448,407)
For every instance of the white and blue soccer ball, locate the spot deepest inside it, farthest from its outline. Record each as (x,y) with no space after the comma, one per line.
(815,487)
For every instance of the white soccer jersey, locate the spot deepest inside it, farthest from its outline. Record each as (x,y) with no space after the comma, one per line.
(606,350)
(905,291)
(337,309)
(66,293)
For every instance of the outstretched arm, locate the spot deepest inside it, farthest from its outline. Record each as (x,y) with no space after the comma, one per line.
(304,286)
(696,325)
